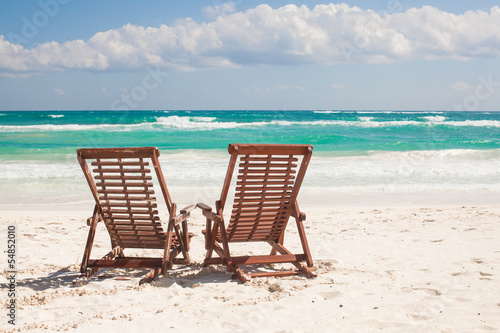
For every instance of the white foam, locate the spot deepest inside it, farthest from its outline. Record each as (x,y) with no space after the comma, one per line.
(70,127)
(210,123)
(366,119)
(36,170)
(435,118)
(201,123)
(56,115)
(198,175)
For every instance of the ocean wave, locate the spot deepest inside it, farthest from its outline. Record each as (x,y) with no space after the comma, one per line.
(38,171)
(198,123)
(68,127)
(55,115)
(435,118)
(211,123)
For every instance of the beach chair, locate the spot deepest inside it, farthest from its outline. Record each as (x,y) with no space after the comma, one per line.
(266,189)
(121,182)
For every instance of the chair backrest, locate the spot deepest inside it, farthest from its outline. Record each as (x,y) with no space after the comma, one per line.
(121,182)
(268,182)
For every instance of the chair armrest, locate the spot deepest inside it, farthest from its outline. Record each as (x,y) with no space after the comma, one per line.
(187,209)
(207,212)
(184,214)
(299,215)
(89,220)
(203,207)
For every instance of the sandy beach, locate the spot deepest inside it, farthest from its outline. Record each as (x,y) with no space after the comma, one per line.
(396,269)
(393,107)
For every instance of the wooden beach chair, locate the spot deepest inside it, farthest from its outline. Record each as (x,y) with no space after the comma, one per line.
(268,181)
(121,182)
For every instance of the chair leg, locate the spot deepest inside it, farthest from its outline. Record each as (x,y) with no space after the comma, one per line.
(150,276)
(211,242)
(182,243)
(304,269)
(115,252)
(187,241)
(90,241)
(238,274)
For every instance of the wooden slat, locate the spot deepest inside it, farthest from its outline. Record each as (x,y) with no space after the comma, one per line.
(274,149)
(267,158)
(250,187)
(249,260)
(134,223)
(138,226)
(260,213)
(131,205)
(244,200)
(266,165)
(127,263)
(115,191)
(134,227)
(128,217)
(253,210)
(117,228)
(142,240)
(144,234)
(117,163)
(112,170)
(133,238)
(265,225)
(274,273)
(268,231)
(127,198)
(124,184)
(261,195)
(269,169)
(268,190)
(256,204)
(114,211)
(106,153)
(270,182)
(145,217)
(252,236)
(248,237)
(264,177)
(111,177)
(251,220)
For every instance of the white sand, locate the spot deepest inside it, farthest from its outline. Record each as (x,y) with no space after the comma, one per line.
(403,269)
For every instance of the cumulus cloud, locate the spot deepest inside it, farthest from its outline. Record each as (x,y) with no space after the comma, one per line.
(218,10)
(326,34)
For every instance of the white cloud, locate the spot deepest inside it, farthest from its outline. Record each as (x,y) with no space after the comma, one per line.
(338,86)
(58,91)
(281,87)
(218,10)
(461,86)
(284,87)
(326,34)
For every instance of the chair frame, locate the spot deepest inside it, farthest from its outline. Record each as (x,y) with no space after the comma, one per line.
(174,241)
(216,234)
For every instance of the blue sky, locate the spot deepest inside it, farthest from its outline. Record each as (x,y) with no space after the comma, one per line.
(245,54)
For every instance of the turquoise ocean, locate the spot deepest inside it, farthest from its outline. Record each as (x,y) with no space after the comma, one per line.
(359,158)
